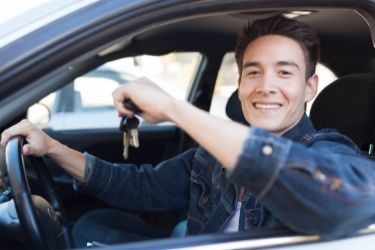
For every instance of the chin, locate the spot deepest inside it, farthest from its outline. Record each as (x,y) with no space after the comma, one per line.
(263,121)
(266,125)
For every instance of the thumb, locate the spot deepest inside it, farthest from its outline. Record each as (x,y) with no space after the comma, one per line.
(26,149)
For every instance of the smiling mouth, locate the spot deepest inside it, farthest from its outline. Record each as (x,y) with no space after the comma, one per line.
(267,106)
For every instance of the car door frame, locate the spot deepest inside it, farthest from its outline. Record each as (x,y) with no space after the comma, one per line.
(14,86)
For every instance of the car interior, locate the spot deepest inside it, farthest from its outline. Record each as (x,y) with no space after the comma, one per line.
(347,104)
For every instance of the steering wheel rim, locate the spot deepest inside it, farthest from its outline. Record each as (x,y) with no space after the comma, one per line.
(54,231)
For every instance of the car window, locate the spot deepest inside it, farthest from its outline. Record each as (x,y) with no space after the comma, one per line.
(226,84)
(87,101)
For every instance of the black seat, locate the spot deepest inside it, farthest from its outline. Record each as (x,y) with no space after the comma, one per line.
(234,110)
(348,105)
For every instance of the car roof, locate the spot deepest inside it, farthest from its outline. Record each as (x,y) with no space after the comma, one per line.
(200,33)
(200,26)
(33,16)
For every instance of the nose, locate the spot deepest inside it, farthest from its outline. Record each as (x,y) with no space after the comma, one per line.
(266,84)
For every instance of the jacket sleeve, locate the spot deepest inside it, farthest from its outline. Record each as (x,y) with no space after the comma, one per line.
(323,187)
(145,187)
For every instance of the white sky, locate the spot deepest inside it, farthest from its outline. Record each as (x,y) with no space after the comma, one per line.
(11,8)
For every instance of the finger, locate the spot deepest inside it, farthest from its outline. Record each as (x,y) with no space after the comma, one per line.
(118,99)
(7,134)
(26,149)
(121,110)
(4,138)
(20,128)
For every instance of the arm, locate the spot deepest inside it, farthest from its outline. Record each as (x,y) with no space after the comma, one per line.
(207,130)
(156,106)
(144,187)
(113,183)
(210,132)
(39,143)
(323,187)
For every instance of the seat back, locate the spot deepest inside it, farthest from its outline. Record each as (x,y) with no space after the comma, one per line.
(233,108)
(348,105)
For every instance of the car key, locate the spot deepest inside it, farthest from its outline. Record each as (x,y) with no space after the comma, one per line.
(125,142)
(132,123)
(129,125)
(128,104)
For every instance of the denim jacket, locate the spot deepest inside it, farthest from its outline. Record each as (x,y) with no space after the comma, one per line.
(313,182)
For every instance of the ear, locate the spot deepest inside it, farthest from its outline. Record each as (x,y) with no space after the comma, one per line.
(238,86)
(312,88)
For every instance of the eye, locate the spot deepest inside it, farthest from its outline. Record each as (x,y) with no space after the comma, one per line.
(253,73)
(285,73)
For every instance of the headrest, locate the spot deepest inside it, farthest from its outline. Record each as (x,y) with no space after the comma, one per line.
(348,105)
(234,110)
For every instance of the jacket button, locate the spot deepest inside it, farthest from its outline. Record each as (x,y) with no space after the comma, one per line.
(267,150)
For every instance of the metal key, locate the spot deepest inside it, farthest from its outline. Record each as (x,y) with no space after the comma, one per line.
(129,125)
(125,142)
(134,141)
(132,123)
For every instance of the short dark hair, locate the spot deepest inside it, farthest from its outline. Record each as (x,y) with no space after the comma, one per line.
(279,25)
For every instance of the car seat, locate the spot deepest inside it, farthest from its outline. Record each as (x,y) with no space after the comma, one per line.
(233,109)
(348,105)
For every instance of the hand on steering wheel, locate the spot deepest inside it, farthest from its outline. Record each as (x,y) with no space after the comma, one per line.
(42,221)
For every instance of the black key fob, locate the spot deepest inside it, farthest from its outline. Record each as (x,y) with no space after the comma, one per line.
(128,104)
(128,123)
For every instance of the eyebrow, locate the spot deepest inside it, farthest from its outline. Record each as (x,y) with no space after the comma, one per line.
(279,63)
(288,63)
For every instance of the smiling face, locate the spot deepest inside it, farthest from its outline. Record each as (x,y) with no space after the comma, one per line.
(273,88)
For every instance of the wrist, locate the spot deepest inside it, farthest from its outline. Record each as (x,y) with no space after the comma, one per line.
(53,147)
(174,109)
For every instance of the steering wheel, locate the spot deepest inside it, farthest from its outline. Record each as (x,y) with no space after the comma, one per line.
(42,221)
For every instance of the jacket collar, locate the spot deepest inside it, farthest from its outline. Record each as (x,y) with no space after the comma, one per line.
(303,127)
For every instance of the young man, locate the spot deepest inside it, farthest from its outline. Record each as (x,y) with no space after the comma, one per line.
(278,172)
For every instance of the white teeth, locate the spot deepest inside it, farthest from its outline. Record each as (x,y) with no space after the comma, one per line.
(267,105)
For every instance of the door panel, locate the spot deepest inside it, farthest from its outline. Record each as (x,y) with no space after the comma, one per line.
(157,143)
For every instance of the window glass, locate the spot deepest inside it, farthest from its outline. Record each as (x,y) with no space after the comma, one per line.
(326,76)
(87,101)
(226,84)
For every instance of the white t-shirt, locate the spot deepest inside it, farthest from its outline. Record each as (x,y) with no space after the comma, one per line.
(234,222)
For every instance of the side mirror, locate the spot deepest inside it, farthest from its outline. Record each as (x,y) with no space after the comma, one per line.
(39,114)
